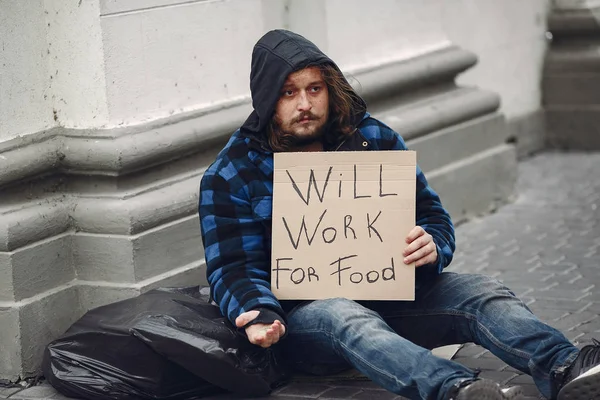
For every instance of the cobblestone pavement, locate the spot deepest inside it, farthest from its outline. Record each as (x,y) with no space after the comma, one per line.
(545,246)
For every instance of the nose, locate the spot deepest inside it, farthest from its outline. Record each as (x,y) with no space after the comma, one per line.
(304,102)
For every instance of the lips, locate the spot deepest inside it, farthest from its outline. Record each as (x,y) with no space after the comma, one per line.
(305,119)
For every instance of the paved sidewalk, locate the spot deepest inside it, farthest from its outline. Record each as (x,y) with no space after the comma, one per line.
(545,246)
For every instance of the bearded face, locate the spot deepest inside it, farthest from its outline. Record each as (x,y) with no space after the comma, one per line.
(302,110)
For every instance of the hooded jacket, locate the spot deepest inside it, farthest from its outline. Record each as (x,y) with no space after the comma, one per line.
(236,190)
(275,56)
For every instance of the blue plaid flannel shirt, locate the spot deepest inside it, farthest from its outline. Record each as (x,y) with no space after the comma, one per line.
(235,218)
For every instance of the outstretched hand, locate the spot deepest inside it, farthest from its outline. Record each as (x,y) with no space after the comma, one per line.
(263,335)
(421,248)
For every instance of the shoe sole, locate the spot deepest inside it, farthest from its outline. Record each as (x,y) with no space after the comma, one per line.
(483,391)
(514,393)
(584,387)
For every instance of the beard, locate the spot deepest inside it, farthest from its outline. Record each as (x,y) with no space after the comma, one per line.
(292,136)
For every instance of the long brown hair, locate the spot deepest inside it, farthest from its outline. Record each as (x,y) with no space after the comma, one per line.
(344,105)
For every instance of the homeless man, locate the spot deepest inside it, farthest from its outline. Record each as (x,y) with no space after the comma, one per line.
(302,102)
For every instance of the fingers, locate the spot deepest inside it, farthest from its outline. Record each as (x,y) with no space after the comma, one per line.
(265,335)
(424,255)
(273,333)
(266,338)
(246,317)
(419,243)
(420,253)
(281,329)
(429,259)
(414,233)
(421,249)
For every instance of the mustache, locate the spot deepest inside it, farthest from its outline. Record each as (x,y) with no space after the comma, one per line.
(305,115)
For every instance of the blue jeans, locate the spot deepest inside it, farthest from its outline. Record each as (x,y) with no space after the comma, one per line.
(389,341)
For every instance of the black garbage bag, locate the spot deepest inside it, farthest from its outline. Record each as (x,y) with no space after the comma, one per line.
(167,344)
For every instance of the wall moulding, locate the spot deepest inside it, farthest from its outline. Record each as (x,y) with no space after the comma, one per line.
(574,22)
(129,180)
(121,151)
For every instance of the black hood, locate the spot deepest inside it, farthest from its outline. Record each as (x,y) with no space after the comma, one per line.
(277,54)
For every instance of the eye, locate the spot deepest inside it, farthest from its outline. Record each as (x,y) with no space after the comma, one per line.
(315,89)
(288,93)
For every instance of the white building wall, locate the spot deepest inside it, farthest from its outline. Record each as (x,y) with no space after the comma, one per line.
(362,34)
(25,99)
(509,37)
(76,63)
(108,63)
(166,57)
(52,70)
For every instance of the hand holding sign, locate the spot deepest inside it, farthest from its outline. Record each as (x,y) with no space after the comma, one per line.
(421,248)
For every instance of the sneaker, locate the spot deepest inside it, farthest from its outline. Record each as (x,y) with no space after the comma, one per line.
(583,379)
(512,393)
(483,389)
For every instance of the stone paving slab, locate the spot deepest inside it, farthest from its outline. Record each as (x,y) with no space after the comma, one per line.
(545,247)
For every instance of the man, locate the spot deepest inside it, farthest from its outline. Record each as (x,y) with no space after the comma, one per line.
(302,102)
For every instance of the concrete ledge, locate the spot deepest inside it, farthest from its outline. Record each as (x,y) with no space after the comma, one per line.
(572,58)
(10,349)
(41,266)
(125,215)
(43,320)
(107,258)
(171,199)
(33,221)
(528,132)
(132,203)
(115,215)
(7,288)
(94,294)
(460,141)
(570,128)
(572,88)
(439,111)
(34,155)
(170,246)
(120,151)
(135,258)
(98,294)
(31,324)
(380,82)
(36,268)
(574,22)
(124,259)
(487,180)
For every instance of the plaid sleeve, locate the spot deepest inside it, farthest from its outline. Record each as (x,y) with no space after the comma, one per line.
(434,218)
(431,215)
(236,258)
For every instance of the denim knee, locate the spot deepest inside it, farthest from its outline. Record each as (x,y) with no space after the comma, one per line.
(334,315)
(481,284)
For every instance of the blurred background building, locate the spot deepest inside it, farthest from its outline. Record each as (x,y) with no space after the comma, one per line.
(110,110)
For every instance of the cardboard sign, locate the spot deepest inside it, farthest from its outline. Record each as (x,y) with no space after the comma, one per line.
(340,220)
